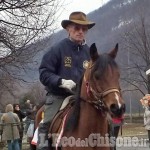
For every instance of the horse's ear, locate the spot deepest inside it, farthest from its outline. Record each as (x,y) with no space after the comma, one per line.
(113,53)
(93,52)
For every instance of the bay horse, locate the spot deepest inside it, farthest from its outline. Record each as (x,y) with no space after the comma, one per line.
(98,101)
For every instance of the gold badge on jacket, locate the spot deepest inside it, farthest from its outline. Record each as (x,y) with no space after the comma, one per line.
(68,61)
(85,64)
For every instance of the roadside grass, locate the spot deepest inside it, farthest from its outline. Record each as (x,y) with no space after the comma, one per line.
(133,129)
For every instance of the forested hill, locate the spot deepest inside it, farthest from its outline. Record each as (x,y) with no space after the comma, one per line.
(112,20)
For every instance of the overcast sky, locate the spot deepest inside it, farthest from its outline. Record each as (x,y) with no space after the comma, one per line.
(85,6)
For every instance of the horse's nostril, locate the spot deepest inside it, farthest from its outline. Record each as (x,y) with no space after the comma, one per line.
(114,108)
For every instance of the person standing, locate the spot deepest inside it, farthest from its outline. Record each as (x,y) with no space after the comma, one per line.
(62,67)
(145,101)
(29,111)
(31,116)
(21,116)
(10,133)
(147,120)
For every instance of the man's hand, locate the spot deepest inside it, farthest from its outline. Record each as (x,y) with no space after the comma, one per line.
(67,84)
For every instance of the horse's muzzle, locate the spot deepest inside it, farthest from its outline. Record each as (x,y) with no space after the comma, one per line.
(116,111)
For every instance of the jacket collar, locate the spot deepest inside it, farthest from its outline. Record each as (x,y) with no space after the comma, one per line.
(75,45)
(83,43)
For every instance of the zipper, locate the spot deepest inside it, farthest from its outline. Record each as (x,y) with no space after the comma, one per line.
(78,48)
(77,62)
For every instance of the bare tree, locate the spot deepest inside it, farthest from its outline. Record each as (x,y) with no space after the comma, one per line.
(22,23)
(137,45)
(37,93)
(6,89)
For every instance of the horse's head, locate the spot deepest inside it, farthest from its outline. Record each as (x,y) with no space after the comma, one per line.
(101,83)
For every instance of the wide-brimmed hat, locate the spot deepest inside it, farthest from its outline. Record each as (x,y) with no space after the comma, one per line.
(78,18)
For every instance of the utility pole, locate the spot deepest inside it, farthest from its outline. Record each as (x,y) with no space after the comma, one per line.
(148,80)
(130,99)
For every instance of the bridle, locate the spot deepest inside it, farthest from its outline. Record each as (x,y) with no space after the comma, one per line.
(98,103)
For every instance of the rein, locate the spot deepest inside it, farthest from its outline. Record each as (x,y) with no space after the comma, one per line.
(99,102)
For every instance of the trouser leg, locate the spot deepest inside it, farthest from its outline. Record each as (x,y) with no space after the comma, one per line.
(113,131)
(20,143)
(52,106)
(116,131)
(9,143)
(43,136)
(21,135)
(27,125)
(16,144)
(148,137)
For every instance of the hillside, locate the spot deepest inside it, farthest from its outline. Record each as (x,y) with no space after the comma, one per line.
(112,21)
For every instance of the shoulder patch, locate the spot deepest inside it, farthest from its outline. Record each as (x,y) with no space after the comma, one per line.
(67,61)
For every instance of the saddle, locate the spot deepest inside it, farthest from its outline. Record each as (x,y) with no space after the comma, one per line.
(57,121)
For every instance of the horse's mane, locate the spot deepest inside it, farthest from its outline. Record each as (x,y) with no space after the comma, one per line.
(101,64)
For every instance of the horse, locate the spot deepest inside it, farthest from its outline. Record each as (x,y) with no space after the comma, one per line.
(98,101)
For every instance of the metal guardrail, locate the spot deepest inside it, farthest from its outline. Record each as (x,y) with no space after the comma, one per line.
(12,125)
(19,125)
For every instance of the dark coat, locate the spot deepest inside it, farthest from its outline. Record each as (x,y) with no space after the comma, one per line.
(20,114)
(65,60)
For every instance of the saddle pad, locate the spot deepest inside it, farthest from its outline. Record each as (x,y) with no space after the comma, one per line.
(61,132)
(65,102)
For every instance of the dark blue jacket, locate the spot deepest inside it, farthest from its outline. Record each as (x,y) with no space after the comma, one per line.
(65,60)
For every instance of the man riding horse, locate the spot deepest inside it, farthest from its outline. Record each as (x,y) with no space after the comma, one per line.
(61,69)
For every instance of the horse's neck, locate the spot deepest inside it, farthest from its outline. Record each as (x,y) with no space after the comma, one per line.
(92,119)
